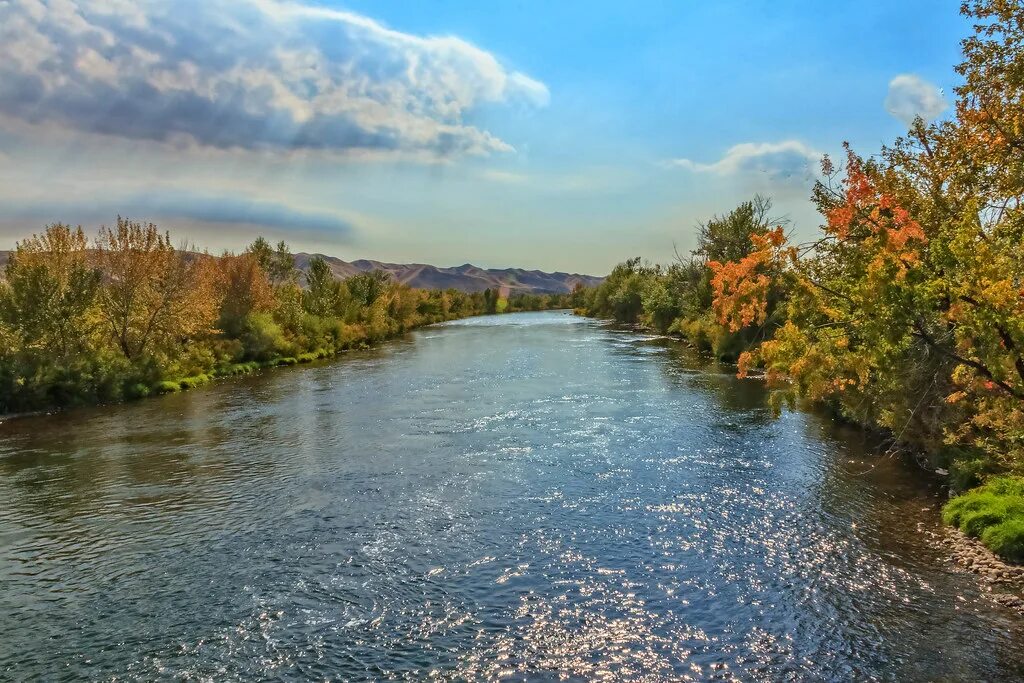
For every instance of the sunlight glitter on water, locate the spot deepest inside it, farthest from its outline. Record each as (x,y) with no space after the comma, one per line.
(526,497)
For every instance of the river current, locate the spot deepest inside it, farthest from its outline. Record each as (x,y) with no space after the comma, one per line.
(522,497)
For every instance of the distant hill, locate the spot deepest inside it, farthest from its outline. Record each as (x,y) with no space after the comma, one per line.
(467,278)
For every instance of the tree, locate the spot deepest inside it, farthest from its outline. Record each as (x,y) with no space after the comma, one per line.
(263,254)
(49,300)
(366,288)
(244,289)
(282,266)
(154,296)
(908,311)
(728,237)
(323,290)
(277,262)
(490,301)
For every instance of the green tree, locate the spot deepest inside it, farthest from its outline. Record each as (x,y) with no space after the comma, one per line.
(366,288)
(48,302)
(323,290)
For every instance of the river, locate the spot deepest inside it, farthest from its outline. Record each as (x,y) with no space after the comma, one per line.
(529,496)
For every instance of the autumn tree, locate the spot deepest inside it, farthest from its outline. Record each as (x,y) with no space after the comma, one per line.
(908,311)
(244,289)
(153,296)
(48,302)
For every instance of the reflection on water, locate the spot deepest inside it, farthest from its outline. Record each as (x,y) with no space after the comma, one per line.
(526,496)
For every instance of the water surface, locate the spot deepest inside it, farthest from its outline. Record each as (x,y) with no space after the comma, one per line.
(530,496)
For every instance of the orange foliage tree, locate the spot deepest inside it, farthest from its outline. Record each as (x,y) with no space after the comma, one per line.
(908,311)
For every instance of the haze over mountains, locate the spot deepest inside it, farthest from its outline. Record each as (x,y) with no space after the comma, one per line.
(466,278)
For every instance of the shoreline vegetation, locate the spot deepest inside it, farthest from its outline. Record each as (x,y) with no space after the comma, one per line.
(127,315)
(905,313)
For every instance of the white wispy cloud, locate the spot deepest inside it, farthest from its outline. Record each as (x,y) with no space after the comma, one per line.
(778,160)
(911,96)
(249,74)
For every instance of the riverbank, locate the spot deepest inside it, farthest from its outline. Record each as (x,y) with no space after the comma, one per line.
(127,315)
(1005,581)
(139,390)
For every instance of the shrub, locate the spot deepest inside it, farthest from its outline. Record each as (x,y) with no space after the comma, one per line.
(993,512)
(194,381)
(137,390)
(694,331)
(1006,539)
(167,387)
(967,474)
(974,523)
(972,501)
(1006,486)
(262,338)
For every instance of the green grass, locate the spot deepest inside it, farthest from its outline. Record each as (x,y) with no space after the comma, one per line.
(224,370)
(167,387)
(993,512)
(194,381)
(233,369)
(1007,539)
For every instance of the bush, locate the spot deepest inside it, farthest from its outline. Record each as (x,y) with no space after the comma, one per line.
(194,381)
(167,387)
(1006,539)
(970,502)
(993,512)
(262,338)
(974,523)
(699,332)
(137,390)
(231,369)
(968,474)
(1006,486)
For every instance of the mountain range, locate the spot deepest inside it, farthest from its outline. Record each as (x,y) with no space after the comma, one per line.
(467,278)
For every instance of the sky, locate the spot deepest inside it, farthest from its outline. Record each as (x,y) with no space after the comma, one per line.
(545,135)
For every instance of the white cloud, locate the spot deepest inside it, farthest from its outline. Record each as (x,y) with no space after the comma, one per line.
(778,160)
(249,74)
(911,96)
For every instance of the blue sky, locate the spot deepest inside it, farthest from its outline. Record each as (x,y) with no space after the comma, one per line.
(559,136)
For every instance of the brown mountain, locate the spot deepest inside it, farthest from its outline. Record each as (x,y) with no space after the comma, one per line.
(467,278)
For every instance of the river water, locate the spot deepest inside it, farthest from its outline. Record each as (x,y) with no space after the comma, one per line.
(529,496)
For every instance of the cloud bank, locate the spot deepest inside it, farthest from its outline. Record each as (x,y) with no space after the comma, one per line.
(911,96)
(248,74)
(789,159)
(188,206)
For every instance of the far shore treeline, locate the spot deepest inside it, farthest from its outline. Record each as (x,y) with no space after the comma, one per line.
(905,314)
(128,314)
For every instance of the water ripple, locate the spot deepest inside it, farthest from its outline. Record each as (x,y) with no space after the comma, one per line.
(503,498)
